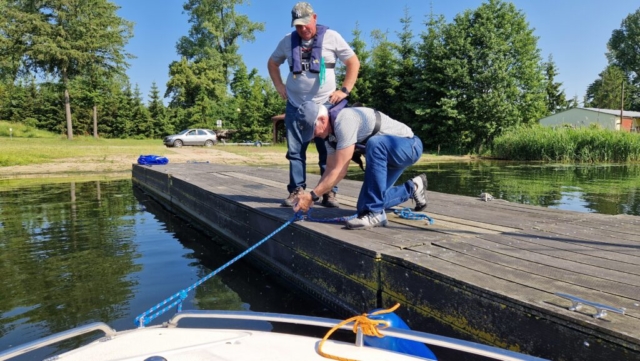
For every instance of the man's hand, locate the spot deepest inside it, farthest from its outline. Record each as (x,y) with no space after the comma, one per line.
(302,202)
(336,97)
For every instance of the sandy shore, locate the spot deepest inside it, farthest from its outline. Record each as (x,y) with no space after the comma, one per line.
(122,163)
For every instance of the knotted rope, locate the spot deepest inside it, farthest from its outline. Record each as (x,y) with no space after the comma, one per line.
(369,327)
(407,213)
(142,320)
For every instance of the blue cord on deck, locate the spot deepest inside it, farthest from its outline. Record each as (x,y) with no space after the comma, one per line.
(142,320)
(407,213)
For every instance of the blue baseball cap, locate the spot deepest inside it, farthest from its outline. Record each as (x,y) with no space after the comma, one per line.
(306,119)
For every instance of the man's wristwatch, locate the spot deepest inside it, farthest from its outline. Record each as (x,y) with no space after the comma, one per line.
(314,196)
(344,90)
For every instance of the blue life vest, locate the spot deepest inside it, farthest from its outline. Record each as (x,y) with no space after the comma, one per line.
(316,51)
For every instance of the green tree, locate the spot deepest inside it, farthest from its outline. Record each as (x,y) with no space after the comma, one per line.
(216,31)
(554,96)
(489,75)
(158,113)
(624,46)
(257,101)
(199,81)
(606,92)
(407,75)
(361,92)
(67,38)
(384,73)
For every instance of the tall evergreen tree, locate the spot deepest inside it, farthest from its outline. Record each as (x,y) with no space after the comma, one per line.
(361,92)
(158,113)
(384,73)
(407,74)
(555,98)
(433,123)
(67,37)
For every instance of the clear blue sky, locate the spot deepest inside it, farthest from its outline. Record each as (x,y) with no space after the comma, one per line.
(575,32)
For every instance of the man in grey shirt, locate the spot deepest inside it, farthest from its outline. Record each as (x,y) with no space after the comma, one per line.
(388,153)
(311,52)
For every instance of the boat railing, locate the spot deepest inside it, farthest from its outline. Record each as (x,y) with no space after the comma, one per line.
(427,338)
(55,338)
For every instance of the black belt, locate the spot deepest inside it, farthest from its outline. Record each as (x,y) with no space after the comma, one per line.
(306,66)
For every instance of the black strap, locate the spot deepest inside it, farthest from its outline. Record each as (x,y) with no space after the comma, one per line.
(305,66)
(376,128)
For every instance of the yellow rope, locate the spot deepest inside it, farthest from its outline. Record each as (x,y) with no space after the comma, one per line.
(369,328)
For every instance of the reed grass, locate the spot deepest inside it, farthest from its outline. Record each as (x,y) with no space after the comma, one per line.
(582,145)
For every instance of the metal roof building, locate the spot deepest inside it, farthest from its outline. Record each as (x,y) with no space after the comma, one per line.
(606,118)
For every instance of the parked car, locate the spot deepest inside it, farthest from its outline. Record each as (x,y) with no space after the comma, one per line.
(206,137)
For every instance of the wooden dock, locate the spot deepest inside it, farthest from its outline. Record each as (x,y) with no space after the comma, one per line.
(484,271)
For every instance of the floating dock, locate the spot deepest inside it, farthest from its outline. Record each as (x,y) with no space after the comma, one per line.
(555,284)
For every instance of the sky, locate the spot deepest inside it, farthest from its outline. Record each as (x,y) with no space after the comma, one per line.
(574,32)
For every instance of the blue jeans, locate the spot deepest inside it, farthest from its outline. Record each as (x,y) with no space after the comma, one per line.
(297,151)
(387,157)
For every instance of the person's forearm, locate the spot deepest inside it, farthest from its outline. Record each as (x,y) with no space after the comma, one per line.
(353,66)
(331,177)
(327,182)
(274,73)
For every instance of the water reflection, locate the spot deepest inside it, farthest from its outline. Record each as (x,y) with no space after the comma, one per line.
(79,252)
(607,189)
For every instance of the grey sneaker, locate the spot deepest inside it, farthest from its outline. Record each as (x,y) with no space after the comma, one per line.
(368,220)
(419,194)
(292,196)
(329,200)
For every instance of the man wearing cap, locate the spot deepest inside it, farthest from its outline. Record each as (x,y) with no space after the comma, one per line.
(392,148)
(311,52)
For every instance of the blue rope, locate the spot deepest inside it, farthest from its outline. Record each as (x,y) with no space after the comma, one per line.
(343,219)
(142,320)
(407,213)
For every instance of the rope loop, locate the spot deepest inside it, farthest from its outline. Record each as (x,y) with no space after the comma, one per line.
(369,327)
(407,213)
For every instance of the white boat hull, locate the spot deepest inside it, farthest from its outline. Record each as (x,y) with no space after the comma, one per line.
(181,344)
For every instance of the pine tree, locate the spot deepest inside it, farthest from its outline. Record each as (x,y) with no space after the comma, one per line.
(555,98)
(158,113)
(384,73)
(69,37)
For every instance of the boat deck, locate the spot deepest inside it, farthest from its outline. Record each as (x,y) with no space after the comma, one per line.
(484,271)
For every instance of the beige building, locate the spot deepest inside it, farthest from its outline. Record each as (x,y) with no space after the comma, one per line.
(606,118)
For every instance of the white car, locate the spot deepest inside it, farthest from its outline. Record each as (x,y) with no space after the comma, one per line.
(206,137)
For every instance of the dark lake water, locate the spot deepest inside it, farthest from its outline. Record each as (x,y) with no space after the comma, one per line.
(77,252)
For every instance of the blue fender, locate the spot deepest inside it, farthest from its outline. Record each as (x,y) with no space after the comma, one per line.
(396,344)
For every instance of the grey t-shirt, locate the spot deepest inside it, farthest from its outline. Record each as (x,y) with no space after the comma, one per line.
(354,125)
(306,86)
